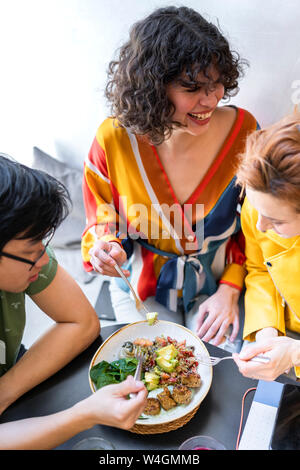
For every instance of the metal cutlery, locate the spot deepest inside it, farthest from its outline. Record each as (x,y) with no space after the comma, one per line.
(212,361)
(137,376)
(140,306)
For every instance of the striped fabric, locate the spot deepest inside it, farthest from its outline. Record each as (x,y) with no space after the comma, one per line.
(185,250)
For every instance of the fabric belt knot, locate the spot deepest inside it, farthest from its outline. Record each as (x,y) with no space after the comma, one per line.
(183,273)
(189,275)
(192,258)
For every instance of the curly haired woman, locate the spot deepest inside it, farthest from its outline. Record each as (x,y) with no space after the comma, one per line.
(159,181)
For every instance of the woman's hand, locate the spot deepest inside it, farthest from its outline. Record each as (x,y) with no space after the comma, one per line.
(104,255)
(283,353)
(216,314)
(111,407)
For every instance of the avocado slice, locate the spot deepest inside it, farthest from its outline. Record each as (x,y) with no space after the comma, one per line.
(168,352)
(151,380)
(165,365)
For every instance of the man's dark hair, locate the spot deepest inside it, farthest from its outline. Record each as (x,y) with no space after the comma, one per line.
(169,43)
(32,203)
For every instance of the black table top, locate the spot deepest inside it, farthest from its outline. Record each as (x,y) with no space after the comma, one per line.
(218,415)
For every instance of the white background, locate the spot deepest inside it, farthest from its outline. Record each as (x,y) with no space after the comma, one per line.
(54,56)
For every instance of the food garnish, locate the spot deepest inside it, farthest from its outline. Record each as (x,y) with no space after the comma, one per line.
(115,372)
(151,317)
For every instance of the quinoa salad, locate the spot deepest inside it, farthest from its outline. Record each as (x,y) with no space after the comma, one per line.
(169,371)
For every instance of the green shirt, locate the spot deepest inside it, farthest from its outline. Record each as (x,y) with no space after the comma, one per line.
(13,316)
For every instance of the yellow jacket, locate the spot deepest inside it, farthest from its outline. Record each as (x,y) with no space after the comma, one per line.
(272,296)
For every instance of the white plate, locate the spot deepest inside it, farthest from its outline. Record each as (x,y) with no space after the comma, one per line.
(110,349)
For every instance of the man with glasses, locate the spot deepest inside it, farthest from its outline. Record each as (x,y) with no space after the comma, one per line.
(28,261)
(32,205)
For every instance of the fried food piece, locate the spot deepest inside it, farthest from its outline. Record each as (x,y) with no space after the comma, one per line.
(181,394)
(191,379)
(152,407)
(166,400)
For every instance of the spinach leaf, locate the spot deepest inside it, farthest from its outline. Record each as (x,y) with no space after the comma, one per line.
(106,373)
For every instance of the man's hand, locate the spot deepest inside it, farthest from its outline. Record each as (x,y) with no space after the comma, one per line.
(216,314)
(110,405)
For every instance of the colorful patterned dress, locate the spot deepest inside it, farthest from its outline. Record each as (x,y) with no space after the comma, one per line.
(174,251)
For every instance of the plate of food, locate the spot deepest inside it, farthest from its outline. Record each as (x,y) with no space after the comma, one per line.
(176,382)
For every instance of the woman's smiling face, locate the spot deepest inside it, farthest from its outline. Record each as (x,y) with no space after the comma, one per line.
(274,214)
(194,107)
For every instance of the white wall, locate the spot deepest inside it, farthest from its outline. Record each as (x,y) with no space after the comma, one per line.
(54,55)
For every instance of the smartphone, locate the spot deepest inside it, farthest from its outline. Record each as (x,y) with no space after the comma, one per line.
(286,432)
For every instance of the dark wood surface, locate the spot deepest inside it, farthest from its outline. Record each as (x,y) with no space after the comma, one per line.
(218,415)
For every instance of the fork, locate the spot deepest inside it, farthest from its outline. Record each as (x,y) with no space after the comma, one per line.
(213,361)
(138,303)
(137,376)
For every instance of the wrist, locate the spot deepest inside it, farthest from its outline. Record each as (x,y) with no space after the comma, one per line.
(229,289)
(82,415)
(266,333)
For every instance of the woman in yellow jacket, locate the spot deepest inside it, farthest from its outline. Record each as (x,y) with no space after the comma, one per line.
(270,174)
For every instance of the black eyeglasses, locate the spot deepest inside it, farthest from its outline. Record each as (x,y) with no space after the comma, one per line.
(25,260)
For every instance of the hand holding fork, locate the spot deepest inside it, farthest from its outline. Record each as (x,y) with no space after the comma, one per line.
(213,361)
(105,259)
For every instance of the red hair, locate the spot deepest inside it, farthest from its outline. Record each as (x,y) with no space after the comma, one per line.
(271,160)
